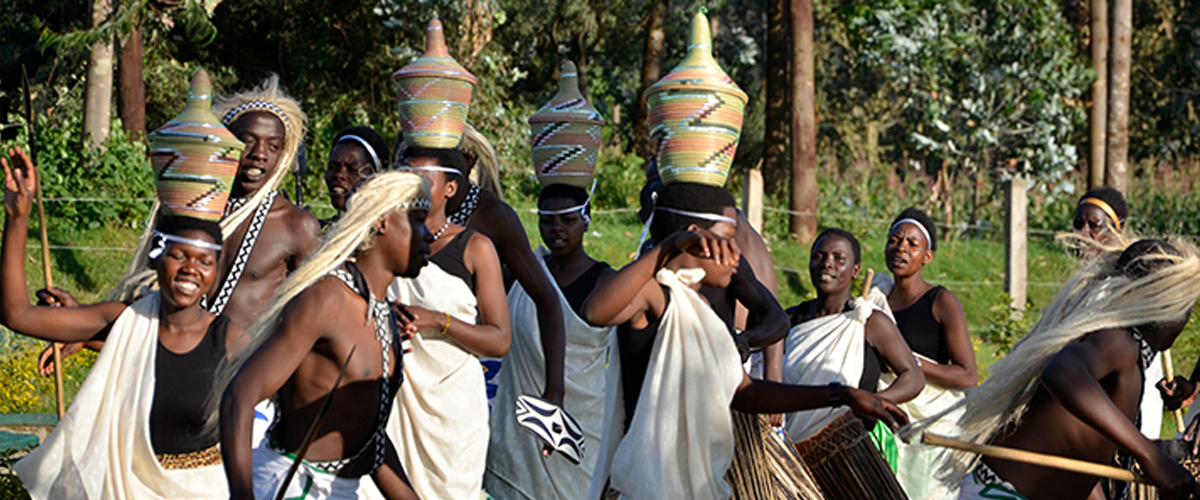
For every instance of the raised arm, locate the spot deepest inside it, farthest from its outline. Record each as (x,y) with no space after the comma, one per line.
(762,396)
(512,246)
(59,324)
(1072,376)
(961,372)
(305,320)
(766,323)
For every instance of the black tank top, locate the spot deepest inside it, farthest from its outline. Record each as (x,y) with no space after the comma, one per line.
(635,346)
(578,290)
(924,334)
(450,258)
(181,386)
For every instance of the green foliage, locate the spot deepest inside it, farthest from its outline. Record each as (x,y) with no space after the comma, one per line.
(1007,325)
(11,487)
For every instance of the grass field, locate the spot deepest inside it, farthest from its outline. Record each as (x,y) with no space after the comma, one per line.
(973,268)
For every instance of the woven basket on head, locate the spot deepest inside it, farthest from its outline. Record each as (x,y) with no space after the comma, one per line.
(434,93)
(695,115)
(195,158)
(847,465)
(566,135)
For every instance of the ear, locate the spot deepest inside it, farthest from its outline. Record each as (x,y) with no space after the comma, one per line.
(927,258)
(383,225)
(857,268)
(451,187)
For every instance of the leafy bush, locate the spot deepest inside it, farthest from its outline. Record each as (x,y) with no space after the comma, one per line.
(1007,325)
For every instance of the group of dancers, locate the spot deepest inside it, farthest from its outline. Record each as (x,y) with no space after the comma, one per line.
(413,346)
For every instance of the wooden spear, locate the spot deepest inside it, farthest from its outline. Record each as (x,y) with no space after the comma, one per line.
(41,208)
(867,283)
(1041,459)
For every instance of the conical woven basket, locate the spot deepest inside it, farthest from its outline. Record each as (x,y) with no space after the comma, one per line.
(566,135)
(434,93)
(195,158)
(695,115)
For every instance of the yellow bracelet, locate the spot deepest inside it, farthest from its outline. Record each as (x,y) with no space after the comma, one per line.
(447,327)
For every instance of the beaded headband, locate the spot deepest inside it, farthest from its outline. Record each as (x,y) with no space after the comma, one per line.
(267,106)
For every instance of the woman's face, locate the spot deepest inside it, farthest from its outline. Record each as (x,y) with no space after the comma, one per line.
(563,233)
(185,272)
(719,275)
(831,265)
(440,188)
(349,163)
(1093,223)
(907,250)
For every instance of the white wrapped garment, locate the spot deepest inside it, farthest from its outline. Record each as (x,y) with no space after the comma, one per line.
(101,450)
(516,468)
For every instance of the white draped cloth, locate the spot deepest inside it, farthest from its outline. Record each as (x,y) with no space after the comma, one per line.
(821,351)
(439,423)
(101,450)
(680,442)
(516,468)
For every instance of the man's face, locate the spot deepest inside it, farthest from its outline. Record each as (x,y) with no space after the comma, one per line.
(1093,223)
(263,134)
(406,242)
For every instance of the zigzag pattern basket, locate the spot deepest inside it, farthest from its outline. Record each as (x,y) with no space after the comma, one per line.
(566,135)
(434,93)
(195,158)
(695,115)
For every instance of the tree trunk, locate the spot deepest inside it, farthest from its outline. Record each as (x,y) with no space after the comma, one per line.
(1117,160)
(777,162)
(1097,124)
(581,62)
(98,93)
(131,89)
(804,125)
(652,63)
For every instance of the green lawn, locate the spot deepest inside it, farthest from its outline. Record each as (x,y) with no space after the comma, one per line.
(971,267)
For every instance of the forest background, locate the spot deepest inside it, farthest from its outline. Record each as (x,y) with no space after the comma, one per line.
(919,103)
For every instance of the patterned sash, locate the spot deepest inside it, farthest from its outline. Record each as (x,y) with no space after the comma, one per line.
(243,255)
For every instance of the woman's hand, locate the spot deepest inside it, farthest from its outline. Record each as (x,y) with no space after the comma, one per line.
(20,183)
(1177,393)
(865,403)
(707,244)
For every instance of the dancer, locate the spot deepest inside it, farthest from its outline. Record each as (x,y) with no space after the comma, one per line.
(1073,384)
(565,143)
(1100,215)
(440,424)
(326,310)
(839,338)
(679,441)
(358,153)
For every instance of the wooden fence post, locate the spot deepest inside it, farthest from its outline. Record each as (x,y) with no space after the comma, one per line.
(1015,241)
(752,198)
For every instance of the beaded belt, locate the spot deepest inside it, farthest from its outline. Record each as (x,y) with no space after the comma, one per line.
(193,460)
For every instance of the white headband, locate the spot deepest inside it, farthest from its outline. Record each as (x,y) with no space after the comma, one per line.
(365,145)
(697,215)
(160,245)
(915,222)
(581,208)
(410,168)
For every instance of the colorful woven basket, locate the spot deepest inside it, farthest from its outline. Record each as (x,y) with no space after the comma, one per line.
(695,115)
(195,158)
(566,135)
(434,93)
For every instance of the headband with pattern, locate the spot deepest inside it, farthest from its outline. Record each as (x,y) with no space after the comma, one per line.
(258,105)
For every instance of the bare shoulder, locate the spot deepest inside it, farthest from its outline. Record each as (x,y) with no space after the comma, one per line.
(947,300)
(320,304)
(295,215)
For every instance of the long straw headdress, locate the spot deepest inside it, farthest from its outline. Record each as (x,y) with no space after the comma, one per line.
(381,195)
(1097,297)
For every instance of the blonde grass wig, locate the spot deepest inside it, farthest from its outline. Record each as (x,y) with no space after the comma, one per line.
(381,195)
(486,173)
(1097,297)
(269,97)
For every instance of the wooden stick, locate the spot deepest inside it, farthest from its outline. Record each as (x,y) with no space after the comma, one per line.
(1041,459)
(867,283)
(1170,366)
(316,426)
(55,347)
